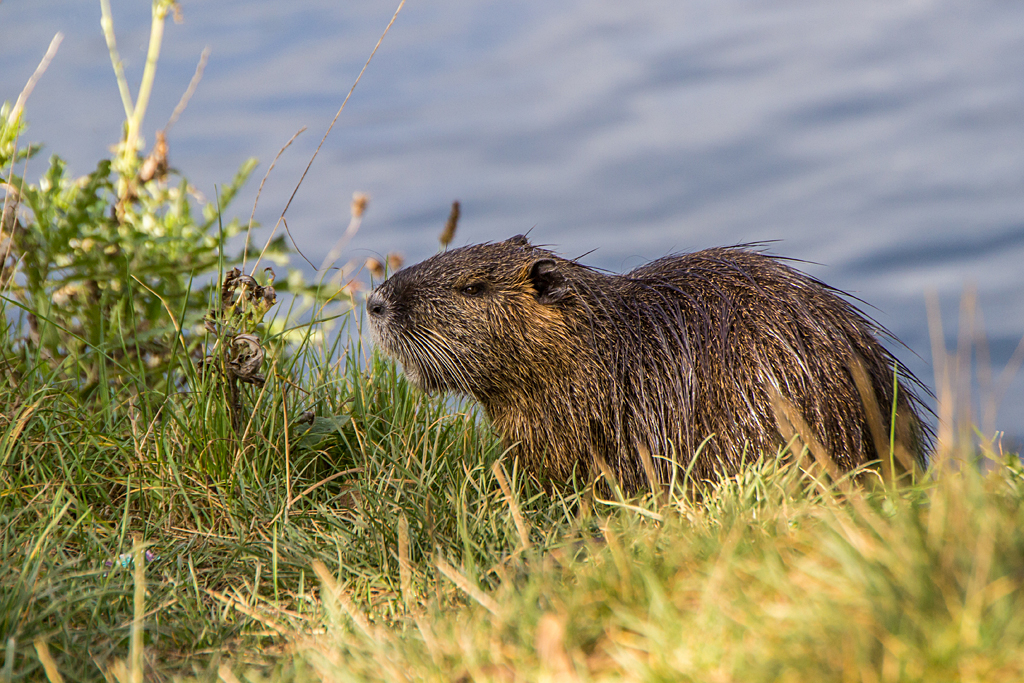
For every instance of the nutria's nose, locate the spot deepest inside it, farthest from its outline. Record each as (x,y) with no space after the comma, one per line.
(375,305)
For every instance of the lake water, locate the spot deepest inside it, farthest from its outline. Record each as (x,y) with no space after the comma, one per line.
(882,140)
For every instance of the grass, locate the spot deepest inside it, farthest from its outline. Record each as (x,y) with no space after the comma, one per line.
(389,540)
(235,521)
(757,583)
(334,524)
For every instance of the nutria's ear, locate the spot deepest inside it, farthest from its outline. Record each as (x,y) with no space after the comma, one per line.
(549,281)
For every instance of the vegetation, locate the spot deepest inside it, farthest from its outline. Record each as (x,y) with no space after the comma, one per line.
(195,485)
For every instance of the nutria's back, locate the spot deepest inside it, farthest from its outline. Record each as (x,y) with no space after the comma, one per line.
(576,366)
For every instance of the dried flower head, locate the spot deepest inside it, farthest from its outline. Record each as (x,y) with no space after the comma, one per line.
(359,202)
(375,267)
(449,229)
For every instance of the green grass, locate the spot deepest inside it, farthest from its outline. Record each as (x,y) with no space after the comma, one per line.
(381,545)
(235,519)
(754,584)
(336,525)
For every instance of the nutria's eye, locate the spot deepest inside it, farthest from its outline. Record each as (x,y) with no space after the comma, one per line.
(473,289)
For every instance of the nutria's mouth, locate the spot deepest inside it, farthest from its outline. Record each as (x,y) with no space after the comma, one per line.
(383,337)
(430,362)
(414,375)
(426,357)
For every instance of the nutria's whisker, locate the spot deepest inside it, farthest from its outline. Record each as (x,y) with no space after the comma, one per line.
(440,361)
(450,359)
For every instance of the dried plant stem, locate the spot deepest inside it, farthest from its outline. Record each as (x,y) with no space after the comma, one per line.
(513,505)
(404,565)
(464,584)
(156,37)
(107,24)
(8,671)
(797,432)
(19,105)
(136,645)
(225,674)
(331,587)
(248,611)
(1002,384)
(962,376)
(652,477)
(329,128)
(873,413)
(190,90)
(46,659)
(346,237)
(252,216)
(943,383)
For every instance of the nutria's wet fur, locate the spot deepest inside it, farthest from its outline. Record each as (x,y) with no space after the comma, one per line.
(574,365)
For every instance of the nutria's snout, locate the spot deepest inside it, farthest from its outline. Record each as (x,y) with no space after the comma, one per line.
(401,326)
(376,310)
(678,359)
(376,306)
(380,312)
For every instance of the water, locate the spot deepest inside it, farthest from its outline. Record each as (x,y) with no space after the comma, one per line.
(881,140)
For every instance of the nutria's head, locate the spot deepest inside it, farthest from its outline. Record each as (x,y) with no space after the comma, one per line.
(480,320)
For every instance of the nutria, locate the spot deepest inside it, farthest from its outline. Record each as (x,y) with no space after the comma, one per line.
(682,356)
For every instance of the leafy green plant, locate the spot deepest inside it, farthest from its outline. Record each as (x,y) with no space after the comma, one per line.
(103,276)
(108,275)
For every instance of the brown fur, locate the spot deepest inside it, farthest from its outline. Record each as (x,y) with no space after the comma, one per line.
(575,366)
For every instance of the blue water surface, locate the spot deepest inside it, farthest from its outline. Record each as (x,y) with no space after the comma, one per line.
(880,140)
